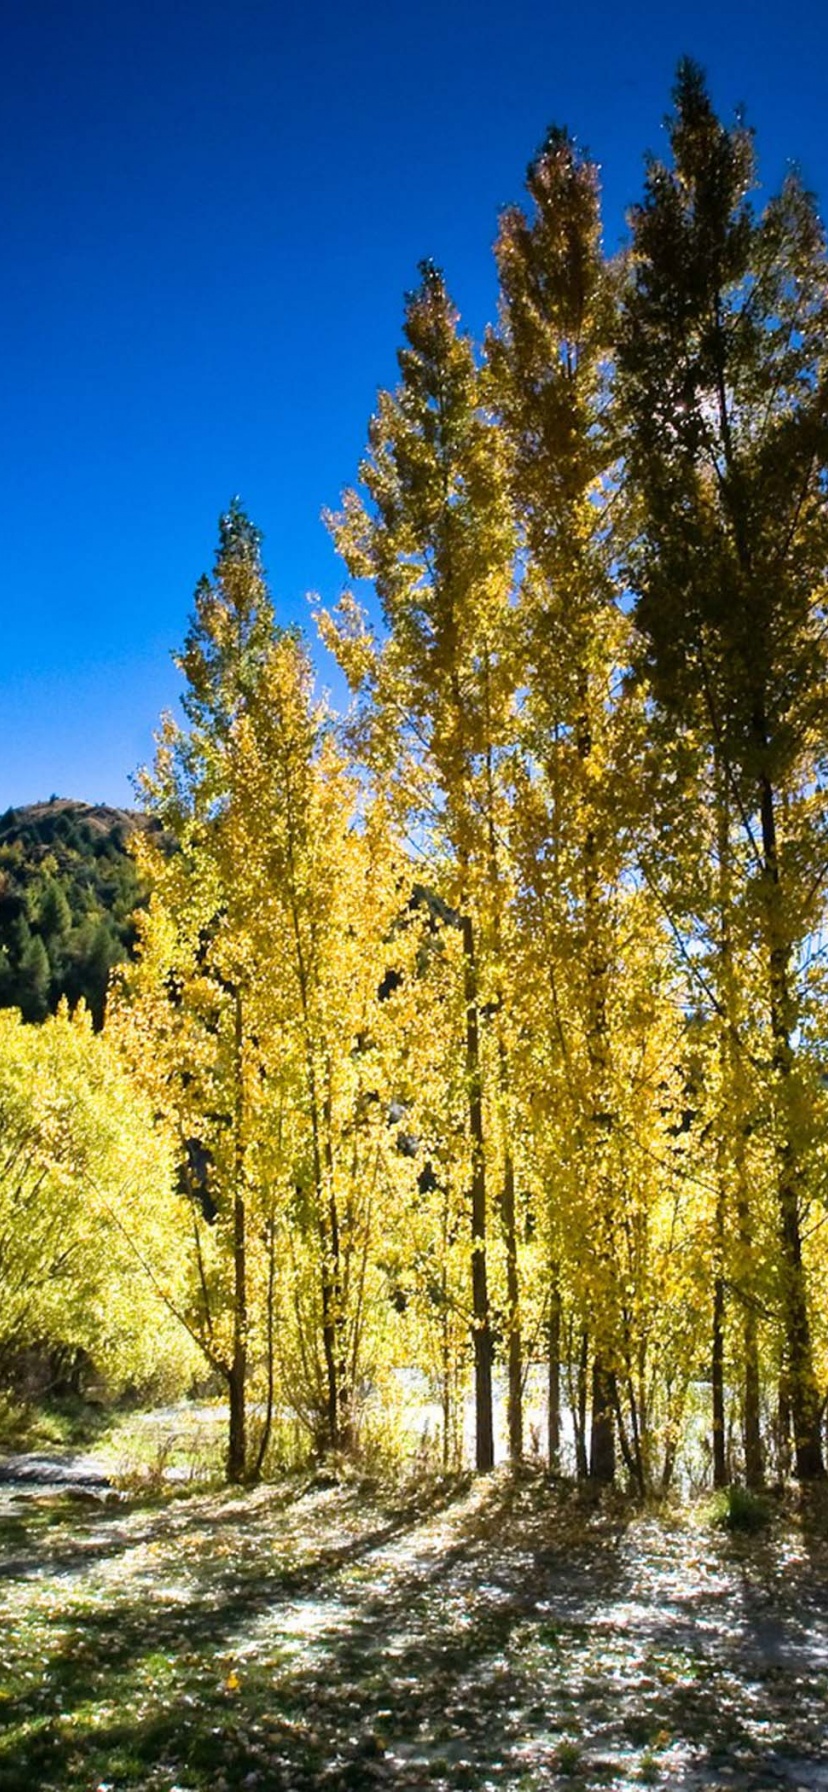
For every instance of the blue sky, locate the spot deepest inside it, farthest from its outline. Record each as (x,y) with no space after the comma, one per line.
(211,215)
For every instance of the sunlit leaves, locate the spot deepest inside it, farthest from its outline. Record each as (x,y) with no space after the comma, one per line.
(87,1206)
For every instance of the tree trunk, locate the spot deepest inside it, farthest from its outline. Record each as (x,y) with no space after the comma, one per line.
(754,1462)
(515,1346)
(803,1394)
(484,1417)
(602,1436)
(336,1410)
(783,1426)
(752,1405)
(553,1409)
(514,1403)
(802,1387)
(237,1443)
(729,1117)
(237,1379)
(329,1343)
(448,1351)
(579,1410)
(732,1123)
(602,1433)
(267,1425)
(717,1380)
(446,1392)
(638,1470)
(628,1441)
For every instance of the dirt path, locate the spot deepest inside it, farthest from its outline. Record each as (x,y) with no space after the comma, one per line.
(506,1639)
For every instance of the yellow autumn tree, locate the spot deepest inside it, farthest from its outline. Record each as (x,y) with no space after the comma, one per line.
(432,528)
(91,1240)
(254,1014)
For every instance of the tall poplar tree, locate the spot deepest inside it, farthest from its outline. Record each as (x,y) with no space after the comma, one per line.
(190,994)
(433,531)
(548,372)
(724,397)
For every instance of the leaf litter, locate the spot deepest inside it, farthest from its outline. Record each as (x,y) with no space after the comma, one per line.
(499,1634)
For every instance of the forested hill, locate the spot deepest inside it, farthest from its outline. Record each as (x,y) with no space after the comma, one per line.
(68,889)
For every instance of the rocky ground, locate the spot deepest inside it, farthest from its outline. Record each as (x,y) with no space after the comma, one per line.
(497,1635)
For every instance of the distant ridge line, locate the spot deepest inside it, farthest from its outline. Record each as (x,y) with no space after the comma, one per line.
(101,818)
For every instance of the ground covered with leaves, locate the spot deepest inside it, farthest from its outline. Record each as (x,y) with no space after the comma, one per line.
(493,1635)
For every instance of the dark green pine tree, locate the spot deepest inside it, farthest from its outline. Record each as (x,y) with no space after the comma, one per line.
(54,912)
(34,977)
(723,391)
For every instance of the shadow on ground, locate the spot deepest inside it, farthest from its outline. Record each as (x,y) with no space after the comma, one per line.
(504,1637)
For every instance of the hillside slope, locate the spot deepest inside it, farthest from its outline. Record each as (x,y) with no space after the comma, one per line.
(68,891)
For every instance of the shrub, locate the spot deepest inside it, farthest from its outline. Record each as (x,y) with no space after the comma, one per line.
(736,1508)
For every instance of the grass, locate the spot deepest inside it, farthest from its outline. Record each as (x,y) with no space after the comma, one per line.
(147,1455)
(737,1508)
(568,1758)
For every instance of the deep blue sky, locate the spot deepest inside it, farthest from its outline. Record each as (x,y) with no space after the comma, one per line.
(211,215)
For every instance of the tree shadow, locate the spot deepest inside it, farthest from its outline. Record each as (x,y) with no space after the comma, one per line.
(511,1634)
(105,1650)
